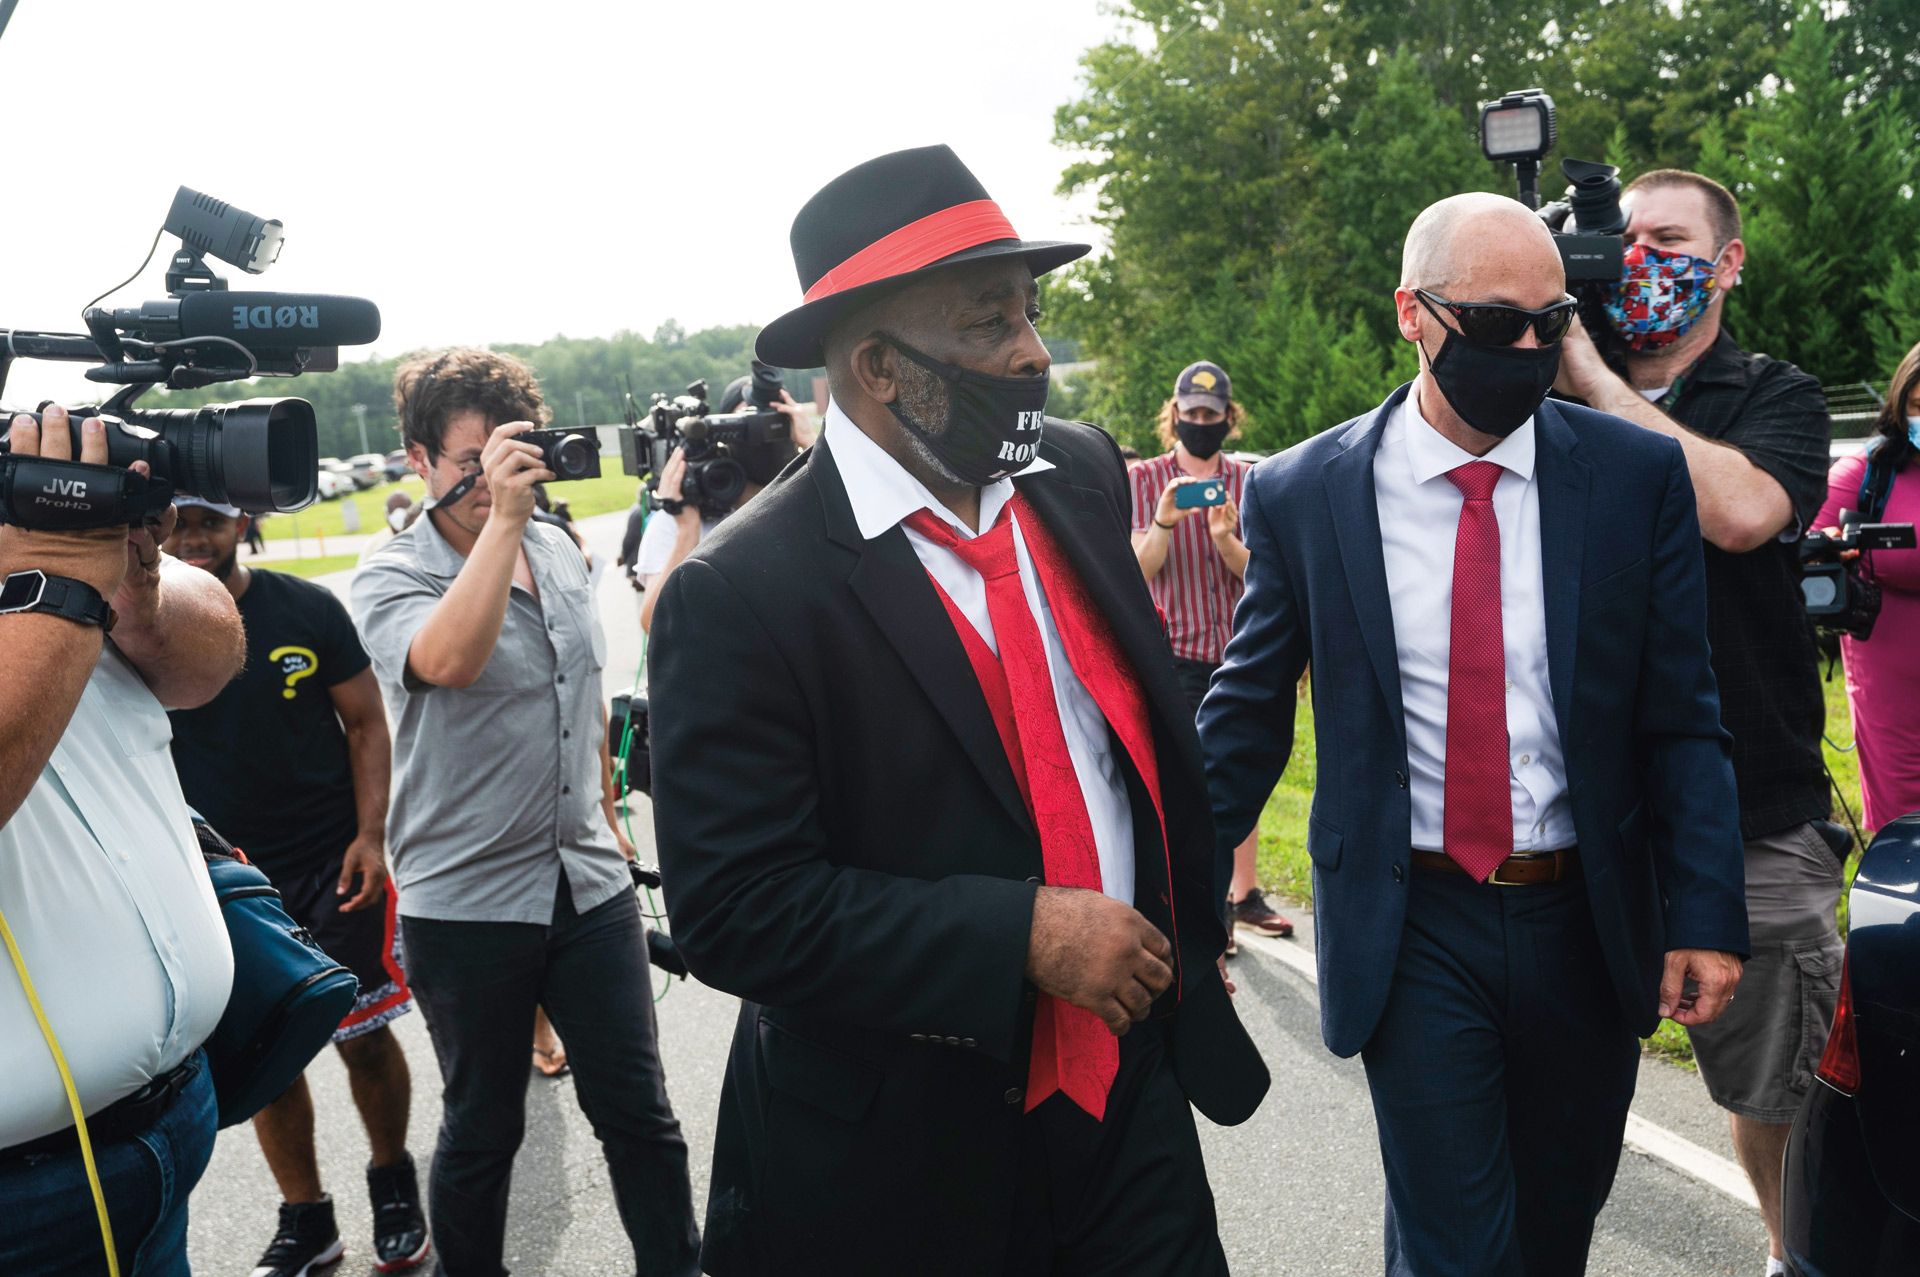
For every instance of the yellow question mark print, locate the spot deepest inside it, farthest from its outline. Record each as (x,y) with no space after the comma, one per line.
(296,663)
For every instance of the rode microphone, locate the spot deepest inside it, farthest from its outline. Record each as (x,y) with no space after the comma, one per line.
(259,321)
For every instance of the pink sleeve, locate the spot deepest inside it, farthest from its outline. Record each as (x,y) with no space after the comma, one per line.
(1843,490)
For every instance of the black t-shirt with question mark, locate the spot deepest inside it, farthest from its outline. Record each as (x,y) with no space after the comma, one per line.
(265,761)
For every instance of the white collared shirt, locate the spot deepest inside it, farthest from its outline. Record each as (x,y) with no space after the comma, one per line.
(882,494)
(106,893)
(1419,520)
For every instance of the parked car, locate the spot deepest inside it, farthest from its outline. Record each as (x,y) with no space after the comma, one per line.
(369,468)
(396,465)
(1851,1195)
(332,482)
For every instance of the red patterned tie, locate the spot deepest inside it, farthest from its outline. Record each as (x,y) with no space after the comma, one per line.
(1072,1050)
(1478,823)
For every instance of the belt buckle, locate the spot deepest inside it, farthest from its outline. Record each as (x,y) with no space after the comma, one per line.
(1498,881)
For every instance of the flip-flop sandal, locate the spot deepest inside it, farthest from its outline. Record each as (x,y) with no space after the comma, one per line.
(539,1055)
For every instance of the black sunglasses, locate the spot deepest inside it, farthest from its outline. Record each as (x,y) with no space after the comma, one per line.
(1492,324)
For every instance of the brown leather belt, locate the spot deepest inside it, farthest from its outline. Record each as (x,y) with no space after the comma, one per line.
(1523,869)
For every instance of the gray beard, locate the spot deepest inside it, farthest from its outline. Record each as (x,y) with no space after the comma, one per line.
(923,402)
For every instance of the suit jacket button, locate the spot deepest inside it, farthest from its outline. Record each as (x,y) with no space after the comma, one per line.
(953,1041)
(1399,873)
(1014,1095)
(919,1037)
(969,1043)
(1400,779)
(1035,881)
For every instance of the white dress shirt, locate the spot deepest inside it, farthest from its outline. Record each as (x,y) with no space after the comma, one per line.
(105,890)
(1419,520)
(882,494)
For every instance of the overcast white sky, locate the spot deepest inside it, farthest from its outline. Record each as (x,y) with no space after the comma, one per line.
(492,171)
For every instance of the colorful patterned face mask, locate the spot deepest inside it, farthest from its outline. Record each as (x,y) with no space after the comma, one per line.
(1661,296)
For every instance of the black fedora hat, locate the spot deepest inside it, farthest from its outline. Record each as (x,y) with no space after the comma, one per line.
(884,221)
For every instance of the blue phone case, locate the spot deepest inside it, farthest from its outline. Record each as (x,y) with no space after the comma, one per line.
(1209,492)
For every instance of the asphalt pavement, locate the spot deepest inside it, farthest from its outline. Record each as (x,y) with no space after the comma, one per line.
(1298,1187)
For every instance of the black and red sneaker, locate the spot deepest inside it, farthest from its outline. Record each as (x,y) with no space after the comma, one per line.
(307,1241)
(1252,912)
(401,1238)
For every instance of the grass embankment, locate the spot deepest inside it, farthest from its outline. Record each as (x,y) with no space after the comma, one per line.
(584,497)
(1285,869)
(311,567)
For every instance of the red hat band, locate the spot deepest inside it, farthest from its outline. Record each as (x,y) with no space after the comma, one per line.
(915,245)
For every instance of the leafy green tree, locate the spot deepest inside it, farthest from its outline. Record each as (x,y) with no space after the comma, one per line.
(1826,179)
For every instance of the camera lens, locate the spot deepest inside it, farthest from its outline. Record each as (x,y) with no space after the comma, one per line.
(575,457)
(722,480)
(260,454)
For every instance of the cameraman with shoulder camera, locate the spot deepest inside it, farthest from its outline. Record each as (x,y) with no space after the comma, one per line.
(675,526)
(1755,434)
(514,890)
(102,884)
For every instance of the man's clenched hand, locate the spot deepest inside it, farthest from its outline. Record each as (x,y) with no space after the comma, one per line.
(1094,952)
(1714,973)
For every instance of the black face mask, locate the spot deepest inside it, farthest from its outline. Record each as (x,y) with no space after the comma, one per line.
(1494,388)
(993,423)
(1202,440)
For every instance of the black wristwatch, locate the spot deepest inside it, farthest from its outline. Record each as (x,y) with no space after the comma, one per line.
(35,591)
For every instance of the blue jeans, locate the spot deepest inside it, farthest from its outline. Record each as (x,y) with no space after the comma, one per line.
(48,1225)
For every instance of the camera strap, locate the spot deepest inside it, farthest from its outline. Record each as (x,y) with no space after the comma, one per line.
(51,495)
(1876,481)
(455,493)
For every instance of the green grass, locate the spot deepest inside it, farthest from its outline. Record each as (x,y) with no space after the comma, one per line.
(1285,870)
(584,497)
(311,567)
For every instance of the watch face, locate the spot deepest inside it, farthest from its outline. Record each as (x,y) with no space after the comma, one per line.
(22,589)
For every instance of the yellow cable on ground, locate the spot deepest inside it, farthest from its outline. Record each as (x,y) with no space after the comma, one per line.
(73,1097)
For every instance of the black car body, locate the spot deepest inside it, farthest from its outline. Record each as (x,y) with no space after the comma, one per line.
(1852,1178)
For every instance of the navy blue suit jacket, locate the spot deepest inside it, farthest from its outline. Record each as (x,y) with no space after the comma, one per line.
(1648,765)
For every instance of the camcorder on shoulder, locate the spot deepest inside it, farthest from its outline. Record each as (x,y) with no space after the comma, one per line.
(1588,225)
(724,451)
(258,454)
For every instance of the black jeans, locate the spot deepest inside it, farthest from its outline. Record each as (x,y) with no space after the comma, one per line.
(477,983)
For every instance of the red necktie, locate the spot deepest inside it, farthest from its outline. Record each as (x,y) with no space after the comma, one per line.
(1072,1049)
(1478,821)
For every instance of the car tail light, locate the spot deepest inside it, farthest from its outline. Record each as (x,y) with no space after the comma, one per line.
(1840,1066)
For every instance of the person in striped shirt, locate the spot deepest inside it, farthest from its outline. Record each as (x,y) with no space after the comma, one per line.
(1193,560)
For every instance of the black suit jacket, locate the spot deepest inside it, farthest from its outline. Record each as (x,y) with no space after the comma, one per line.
(846,849)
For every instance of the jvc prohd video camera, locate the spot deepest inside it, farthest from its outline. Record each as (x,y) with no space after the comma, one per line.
(260,454)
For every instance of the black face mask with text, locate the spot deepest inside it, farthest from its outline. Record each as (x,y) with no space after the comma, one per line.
(1202,439)
(993,423)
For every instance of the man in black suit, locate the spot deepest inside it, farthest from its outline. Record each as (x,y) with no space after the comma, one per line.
(928,798)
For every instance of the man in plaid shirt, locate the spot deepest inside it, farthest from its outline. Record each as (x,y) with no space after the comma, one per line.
(1193,567)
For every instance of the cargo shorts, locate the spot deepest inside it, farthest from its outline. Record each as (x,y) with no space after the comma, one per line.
(1759,1057)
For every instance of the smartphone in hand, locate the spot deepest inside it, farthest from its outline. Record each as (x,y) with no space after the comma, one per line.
(1206,492)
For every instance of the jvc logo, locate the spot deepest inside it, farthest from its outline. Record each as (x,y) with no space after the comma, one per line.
(275,317)
(66,488)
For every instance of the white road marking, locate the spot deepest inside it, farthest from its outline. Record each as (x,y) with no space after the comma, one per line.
(1642,1136)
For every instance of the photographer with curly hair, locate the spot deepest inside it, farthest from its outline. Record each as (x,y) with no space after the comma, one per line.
(513,885)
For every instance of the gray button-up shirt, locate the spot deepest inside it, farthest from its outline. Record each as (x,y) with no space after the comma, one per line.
(496,786)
